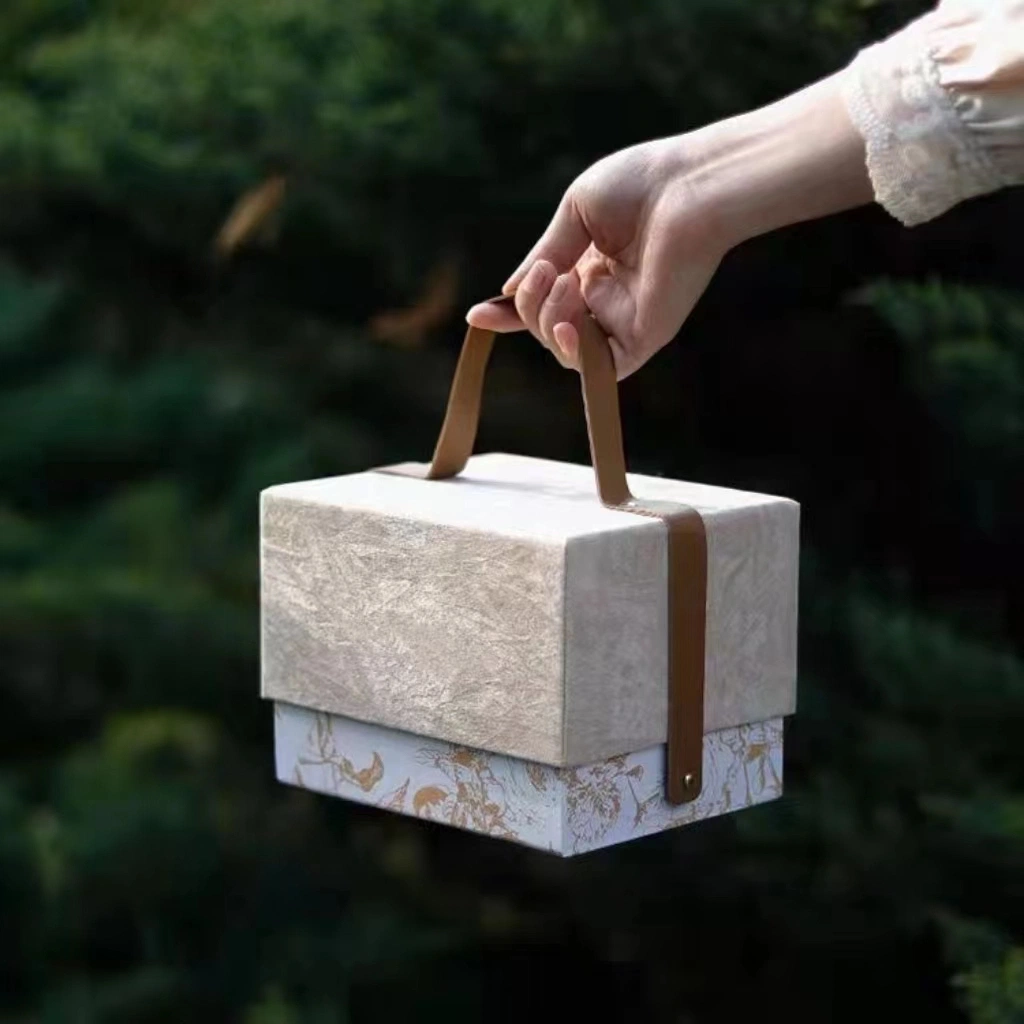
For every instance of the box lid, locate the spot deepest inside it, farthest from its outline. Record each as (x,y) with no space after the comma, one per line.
(507,609)
(514,496)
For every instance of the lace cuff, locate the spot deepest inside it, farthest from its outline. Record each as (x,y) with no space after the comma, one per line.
(940,106)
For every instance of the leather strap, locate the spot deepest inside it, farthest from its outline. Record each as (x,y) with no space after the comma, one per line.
(687,541)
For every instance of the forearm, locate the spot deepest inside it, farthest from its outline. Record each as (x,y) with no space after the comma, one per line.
(927,118)
(795,160)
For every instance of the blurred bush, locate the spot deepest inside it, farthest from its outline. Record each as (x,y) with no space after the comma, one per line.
(154,380)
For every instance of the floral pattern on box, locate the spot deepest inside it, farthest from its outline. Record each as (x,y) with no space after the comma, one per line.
(563,810)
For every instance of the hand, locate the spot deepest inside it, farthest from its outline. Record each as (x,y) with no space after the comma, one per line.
(632,242)
(638,236)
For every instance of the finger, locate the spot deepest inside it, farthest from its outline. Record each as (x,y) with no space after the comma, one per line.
(567,338)
(562,244)
(532,293)
(610,301)
(493,316)
(564,304)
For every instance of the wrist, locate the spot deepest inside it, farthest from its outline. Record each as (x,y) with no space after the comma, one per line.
(795,160)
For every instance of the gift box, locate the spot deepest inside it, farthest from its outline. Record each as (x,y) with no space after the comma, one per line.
(554,654)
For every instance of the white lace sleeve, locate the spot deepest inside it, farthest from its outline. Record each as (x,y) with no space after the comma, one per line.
(940,106)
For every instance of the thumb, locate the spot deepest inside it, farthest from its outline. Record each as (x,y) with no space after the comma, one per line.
(563,243)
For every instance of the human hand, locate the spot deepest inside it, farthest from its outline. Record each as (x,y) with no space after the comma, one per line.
(638,236)
(632,243)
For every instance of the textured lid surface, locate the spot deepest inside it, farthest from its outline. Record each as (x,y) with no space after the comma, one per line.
(513,495)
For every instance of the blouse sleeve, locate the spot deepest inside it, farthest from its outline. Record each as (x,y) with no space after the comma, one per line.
(940,106)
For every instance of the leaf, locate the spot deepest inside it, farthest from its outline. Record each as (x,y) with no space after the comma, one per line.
(427,796)
(367,778)
(396,801)
(249,214)
(408,328)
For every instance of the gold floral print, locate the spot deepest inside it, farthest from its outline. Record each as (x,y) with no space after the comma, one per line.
(426,797)
(475,798)
(341,767)
(396,801)
(567,810)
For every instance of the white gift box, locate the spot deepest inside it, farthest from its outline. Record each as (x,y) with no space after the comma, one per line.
(484,643)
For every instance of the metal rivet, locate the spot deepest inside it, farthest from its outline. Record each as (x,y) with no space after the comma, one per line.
(688,781)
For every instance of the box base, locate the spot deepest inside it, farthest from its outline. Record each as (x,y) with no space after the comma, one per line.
(565,811)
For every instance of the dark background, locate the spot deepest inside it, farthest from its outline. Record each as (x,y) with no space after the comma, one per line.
(152,381)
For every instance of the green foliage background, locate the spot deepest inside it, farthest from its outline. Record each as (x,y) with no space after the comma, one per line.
(150,868)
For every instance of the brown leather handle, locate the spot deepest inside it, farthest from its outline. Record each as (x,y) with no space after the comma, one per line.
(600,395)
(687,542)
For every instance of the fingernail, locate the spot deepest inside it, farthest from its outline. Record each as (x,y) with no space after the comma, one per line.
(510,285)
(566,349)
